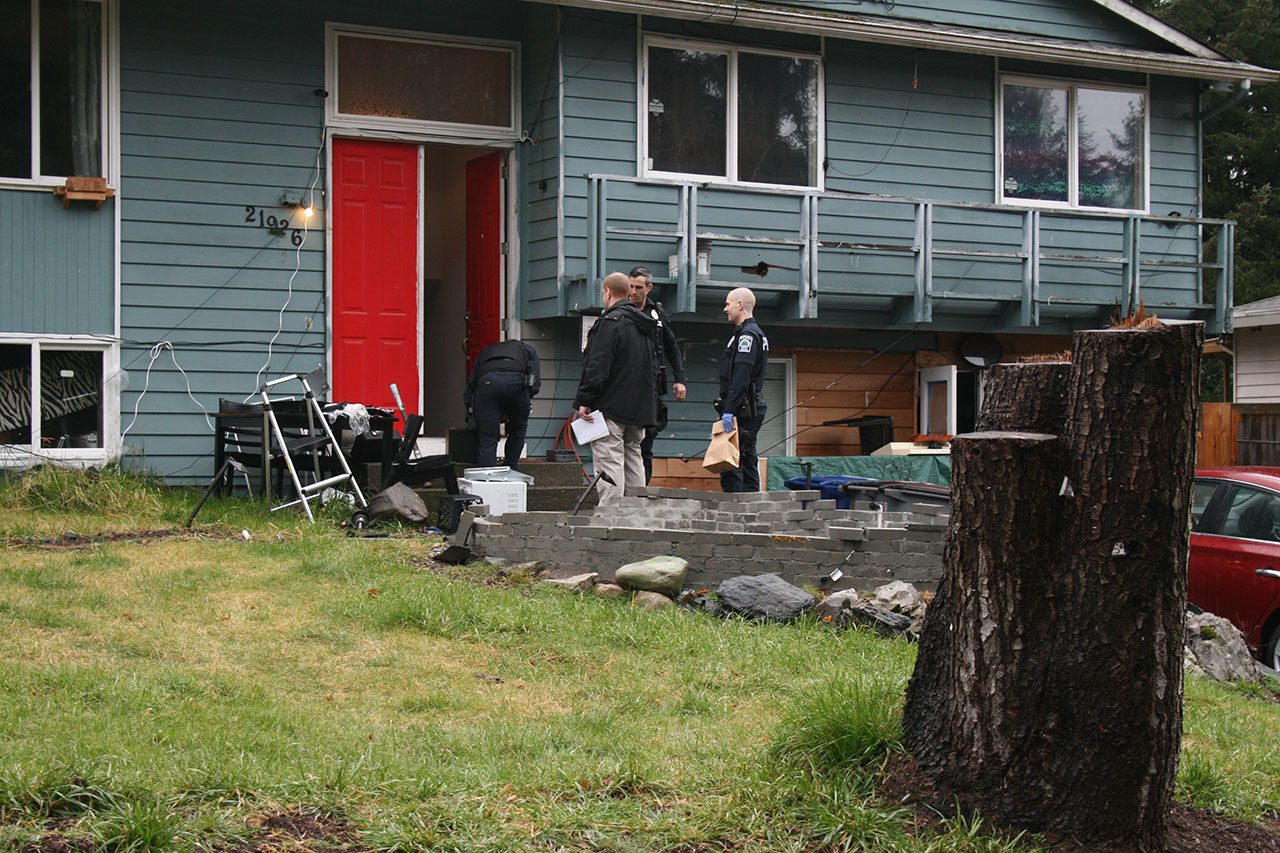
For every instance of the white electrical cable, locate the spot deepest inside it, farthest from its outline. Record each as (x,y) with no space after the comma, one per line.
(297,267)
(155,353)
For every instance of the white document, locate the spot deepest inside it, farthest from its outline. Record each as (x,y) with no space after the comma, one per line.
(585,432)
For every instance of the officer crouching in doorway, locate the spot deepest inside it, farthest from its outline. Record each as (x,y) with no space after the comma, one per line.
(742,369)
(670,362)
(504,380)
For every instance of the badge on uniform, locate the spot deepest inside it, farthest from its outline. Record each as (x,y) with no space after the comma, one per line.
(744,343)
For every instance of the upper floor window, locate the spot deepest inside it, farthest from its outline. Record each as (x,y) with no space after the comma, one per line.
(51,89)
(723,112)
(428,83)
(1073,145)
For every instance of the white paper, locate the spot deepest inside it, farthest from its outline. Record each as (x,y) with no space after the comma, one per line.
(585,432)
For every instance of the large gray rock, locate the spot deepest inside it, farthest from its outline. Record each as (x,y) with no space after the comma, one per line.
(1217,649)
(656,574)
(764,597)
(398,501)
(898,597)
(886,623)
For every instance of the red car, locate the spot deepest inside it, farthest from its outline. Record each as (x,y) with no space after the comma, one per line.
(1234,568)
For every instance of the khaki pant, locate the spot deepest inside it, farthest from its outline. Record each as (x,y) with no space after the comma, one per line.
(618,455)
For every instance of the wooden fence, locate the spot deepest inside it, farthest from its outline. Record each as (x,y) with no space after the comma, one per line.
(1216,441)
(1259,437)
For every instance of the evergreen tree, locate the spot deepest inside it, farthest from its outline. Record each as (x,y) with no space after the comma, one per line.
(1242,145)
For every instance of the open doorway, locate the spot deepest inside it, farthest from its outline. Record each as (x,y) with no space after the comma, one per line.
(418,271)
(462,291)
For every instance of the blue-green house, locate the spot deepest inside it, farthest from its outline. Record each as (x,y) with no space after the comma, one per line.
(912,189)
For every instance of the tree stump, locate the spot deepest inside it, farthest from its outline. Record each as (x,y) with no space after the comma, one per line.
(979,674)
(1048,685)
(1030,397)
(1115,683)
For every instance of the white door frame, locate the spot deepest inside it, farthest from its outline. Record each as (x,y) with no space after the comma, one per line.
(927,376)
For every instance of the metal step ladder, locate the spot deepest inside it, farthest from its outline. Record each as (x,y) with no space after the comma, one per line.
(311,491)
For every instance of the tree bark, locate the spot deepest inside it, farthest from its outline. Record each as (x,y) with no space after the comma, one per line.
(1115,686)
(1048,685)
(979,674)
(1029,397)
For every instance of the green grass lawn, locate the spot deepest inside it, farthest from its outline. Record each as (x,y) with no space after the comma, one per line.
(177,693)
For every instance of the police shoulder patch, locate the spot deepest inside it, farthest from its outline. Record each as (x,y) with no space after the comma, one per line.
(744,343)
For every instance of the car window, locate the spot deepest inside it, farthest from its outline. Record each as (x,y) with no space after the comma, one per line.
(1252,514)
(1201,494)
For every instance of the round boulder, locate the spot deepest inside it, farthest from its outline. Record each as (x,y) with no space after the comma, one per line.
(656,574)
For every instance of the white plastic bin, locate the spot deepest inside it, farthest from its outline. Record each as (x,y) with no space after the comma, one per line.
(500,495)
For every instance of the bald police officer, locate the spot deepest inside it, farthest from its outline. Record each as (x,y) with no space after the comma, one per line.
(742,370)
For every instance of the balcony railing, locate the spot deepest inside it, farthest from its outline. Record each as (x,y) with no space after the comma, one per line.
(919,255)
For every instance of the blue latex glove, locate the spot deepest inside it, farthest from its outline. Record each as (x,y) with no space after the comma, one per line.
(727,421)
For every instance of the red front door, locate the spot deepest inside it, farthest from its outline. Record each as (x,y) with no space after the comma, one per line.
(375,271)
(484,253)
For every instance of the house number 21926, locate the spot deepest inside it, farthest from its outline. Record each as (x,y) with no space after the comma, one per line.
(276,225)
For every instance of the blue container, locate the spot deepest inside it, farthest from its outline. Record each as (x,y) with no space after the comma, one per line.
(830,486)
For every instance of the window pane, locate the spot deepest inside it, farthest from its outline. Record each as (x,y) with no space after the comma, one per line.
(777,119)
(1201,493)
(15,89)
(70,398)
(1035,143)
(1112,143)
(15,394)
(70,88)
(1253,514)
(687,111)
(424,82)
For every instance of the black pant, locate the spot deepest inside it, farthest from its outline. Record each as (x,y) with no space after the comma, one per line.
(501,394)
(746,477)
(646,444)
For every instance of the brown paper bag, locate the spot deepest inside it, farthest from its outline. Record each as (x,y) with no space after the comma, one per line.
(722,453)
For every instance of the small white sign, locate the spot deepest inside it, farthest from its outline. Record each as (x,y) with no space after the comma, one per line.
(586,431)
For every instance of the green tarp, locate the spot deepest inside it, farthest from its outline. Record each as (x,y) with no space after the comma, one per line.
(924,468)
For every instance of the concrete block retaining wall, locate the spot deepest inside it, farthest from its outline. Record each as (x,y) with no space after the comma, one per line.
(794,534)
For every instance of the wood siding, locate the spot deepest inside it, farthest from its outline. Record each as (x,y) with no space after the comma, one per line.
(1257,378)
(219,113)
(915,124)
(57,266)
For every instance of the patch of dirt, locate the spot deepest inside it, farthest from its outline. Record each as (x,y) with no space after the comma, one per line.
(71,541)
(299,829)
(1191,830)
(56,842)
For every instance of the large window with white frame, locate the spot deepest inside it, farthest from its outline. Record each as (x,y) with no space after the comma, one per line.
(424,83)
(1073,144)
(54,400)
(736,114)
(52,90)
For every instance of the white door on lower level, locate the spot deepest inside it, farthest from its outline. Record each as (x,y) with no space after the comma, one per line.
(937,389)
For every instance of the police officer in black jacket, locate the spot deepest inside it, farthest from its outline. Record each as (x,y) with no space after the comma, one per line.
(506,376)
(742,370)
(671,363)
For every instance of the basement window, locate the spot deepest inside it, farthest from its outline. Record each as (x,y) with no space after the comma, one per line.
(51,396)
(51,89)
(1072,145)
